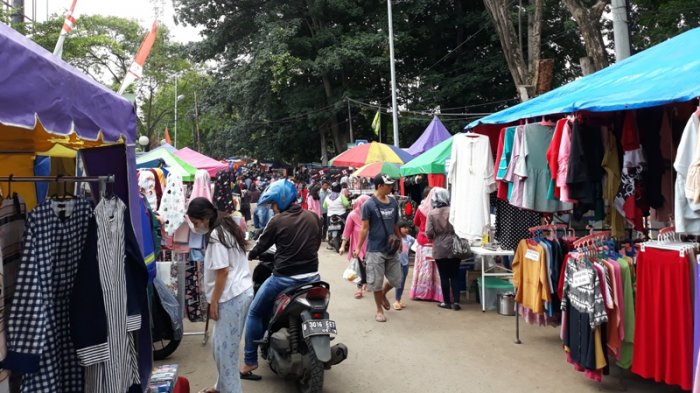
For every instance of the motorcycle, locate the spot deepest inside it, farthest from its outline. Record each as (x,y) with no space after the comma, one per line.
(297,342)
(336,224)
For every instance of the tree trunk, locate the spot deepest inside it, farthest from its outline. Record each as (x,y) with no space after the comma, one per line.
(509,40)
(524,72)
(339,139)
(588,21)
(324,147)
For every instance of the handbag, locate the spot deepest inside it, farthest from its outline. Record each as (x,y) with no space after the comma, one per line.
(393,242)
(460,247)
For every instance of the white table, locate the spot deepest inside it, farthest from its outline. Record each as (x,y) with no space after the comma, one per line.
(493,271)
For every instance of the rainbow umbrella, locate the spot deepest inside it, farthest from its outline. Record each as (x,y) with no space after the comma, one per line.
(371,152)
(375,168)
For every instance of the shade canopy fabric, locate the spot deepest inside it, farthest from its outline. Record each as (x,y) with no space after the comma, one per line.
(200,161)
(371,152)
(432,161)
(40,89)
(156,157)
(375,168)
(665,73)
(435,133)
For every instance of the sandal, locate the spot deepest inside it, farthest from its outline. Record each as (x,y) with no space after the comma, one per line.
(380,318)
(358,293)
(397,306)
(385,304)
(250,376)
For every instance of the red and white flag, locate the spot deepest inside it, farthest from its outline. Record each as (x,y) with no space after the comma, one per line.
(68,25)
(136,69)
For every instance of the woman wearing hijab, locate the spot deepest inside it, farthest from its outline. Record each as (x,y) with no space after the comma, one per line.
(426,280)
(353,225)
(439,230)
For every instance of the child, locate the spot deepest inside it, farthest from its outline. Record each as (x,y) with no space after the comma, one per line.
(407,241)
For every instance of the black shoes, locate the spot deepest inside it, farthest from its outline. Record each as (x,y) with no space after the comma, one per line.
(456,306)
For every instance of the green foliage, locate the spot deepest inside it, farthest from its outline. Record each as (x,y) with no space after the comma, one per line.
(654,21)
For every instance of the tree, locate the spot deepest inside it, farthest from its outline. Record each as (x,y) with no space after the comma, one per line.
(588,19)
(286,68)
(104,47)
(524,66)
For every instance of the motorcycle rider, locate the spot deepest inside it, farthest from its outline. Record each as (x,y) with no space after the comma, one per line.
(296,233)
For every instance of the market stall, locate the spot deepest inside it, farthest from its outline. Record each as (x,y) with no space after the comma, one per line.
(615,150)
(434,134)
(53,121)
(161,157)
(200,161)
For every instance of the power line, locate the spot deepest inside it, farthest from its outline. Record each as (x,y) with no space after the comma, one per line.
(420,113)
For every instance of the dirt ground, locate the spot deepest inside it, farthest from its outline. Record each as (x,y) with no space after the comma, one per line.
(424,349)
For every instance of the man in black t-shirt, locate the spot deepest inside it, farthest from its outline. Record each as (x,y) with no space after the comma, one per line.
(380,217)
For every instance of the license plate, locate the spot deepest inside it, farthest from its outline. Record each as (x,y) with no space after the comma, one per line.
(318,327)
(334,227)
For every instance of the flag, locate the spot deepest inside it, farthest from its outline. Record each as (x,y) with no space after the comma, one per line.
(68,25)
(377,122)
(167,137)
(136,70)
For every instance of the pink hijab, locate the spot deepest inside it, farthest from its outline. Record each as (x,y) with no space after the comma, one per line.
(426,205)
(357,207)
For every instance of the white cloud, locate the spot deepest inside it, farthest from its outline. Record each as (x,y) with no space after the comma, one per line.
(140,10)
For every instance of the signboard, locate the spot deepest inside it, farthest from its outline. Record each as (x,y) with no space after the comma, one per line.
(359,142)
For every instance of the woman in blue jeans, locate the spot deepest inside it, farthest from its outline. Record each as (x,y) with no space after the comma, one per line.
(228,287)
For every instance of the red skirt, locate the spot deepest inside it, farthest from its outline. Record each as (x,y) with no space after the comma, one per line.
(663,336)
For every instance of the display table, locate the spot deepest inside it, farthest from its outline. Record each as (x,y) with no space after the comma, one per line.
(493,271)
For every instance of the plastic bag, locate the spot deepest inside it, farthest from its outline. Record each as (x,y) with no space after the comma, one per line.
(352,272)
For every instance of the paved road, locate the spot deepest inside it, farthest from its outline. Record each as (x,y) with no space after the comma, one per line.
(425,349)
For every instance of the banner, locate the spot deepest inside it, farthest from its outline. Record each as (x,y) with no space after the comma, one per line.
(68,25)
(136,70)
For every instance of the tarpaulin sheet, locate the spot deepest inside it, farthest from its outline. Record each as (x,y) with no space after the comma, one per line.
(662,74)
(435,133)
(38,87)
(200,161)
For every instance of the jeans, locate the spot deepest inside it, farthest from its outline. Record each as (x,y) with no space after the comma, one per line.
(261,310)
(404,274)
(262,216)
(449,271)
(226,341)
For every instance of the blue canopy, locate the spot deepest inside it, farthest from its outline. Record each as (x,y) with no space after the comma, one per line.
(665,73)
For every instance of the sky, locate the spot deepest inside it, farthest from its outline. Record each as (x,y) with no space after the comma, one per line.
(141,10)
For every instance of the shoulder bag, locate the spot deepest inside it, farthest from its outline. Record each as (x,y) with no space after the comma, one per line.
(393,242)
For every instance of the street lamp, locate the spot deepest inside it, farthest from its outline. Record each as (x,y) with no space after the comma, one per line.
(178,98)
(143,141)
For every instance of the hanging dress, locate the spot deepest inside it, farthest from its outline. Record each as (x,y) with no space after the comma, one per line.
(471,177)
(120,371)
(39,338)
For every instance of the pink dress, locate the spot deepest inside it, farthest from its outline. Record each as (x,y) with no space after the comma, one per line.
(353,225)
(313,205)
(563,159)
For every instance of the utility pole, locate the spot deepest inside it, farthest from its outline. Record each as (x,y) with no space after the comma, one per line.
(621,31)
(196,123)
(352,138)
(394,109)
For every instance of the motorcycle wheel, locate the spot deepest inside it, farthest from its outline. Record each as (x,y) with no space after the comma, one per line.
(312,380)
(164,348)
(336,243)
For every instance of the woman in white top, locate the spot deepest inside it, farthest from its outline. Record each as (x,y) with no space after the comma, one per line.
(336,203)
(228,286)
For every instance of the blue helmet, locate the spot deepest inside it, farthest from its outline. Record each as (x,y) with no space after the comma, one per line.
(282,192)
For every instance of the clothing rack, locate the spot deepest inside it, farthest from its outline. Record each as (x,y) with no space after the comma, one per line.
(103,180)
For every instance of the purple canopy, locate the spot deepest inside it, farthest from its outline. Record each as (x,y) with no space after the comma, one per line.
(37,85)
(432,136)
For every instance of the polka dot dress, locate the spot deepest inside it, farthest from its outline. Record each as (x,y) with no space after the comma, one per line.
(512,224)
